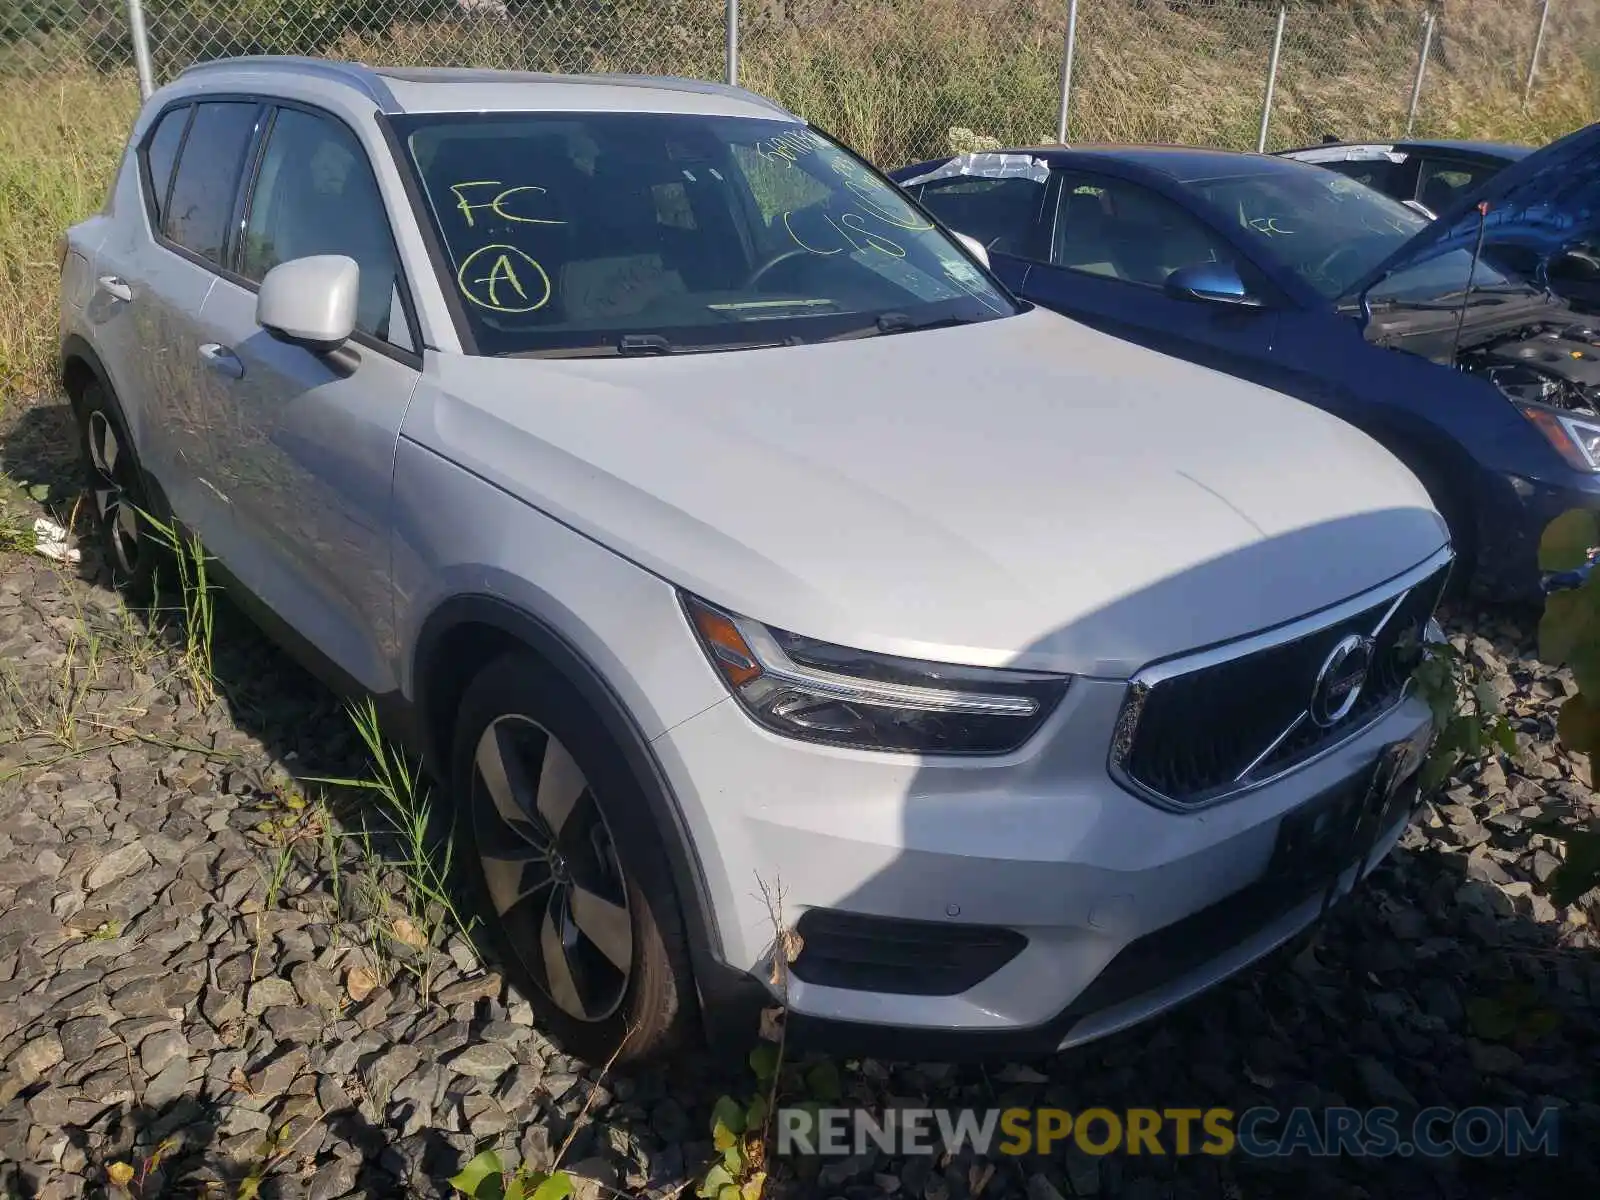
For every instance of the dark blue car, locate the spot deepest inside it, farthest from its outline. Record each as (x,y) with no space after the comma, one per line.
(1480,378)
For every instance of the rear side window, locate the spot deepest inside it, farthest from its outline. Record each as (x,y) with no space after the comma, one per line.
(207,180)
(161,154)
(1444,181)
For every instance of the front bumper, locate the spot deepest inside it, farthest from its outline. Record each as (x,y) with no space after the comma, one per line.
(1042,843)
(1514,513)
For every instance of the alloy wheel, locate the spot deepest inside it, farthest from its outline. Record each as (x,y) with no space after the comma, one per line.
(110,488)
(551,867)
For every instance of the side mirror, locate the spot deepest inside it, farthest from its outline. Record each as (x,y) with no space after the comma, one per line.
(1216,282)
(974,245)
(311,302)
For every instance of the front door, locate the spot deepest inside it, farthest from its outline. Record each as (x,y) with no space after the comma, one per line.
(1114,245)
(305,447)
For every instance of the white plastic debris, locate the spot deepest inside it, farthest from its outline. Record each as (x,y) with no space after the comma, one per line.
(987,164)
(52,541)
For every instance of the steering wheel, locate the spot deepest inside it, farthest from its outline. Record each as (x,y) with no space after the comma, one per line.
(762,270)
(1338,252)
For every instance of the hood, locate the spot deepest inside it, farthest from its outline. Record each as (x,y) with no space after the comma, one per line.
(1024,491)
(1550,200)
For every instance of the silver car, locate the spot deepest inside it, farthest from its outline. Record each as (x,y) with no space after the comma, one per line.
(718,528)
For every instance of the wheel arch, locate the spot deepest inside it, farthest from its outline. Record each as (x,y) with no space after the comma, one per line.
(460,637)
(81,367)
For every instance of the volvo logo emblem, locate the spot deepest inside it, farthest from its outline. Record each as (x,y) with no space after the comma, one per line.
(1339,682)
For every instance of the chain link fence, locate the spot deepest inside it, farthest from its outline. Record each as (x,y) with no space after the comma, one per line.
(898,79)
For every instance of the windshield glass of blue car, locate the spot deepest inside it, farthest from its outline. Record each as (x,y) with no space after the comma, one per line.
(1333,232)
(595,234)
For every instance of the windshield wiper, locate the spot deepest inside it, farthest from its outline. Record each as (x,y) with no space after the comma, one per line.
(899,322)
(634,345)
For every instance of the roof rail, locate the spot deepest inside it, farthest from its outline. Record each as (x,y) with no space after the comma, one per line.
(705,87)
(352,74)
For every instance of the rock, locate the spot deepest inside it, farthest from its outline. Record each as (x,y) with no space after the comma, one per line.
(335,1179)
(142,998)
(535,1148)
(482,1060)
(480,987)
(293,1024)
(1083,1171)
(37,1056)
(166,1087)
(317,986)
(1492,1059)
(385,1070)
(161,1048)
(669,1121)
(81,1037)
(592,1179)
(1381,1085)
(266,993)
(118,864)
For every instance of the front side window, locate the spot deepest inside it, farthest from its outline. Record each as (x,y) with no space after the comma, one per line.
(316,194)
(1120,230)
(616,233)
(207,180)
(1007,215)
(1329,230)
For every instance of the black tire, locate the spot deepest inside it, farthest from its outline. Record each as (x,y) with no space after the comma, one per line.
(116,493)
(534,731)
(1458,515)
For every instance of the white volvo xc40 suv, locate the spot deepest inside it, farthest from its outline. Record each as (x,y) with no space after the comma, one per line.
(713,521)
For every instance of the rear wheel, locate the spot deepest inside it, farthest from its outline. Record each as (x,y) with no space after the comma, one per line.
(117,492)
(567,867)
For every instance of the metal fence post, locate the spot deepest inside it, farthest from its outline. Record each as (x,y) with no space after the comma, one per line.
(1272,80)
(733,42)
(1422,69)
(141,48)
(1066,70)
(1538,44)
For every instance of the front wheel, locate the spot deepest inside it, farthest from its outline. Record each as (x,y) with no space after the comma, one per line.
(569,873)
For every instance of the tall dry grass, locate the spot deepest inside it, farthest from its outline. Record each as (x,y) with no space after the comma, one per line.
(59,143)
(893,77)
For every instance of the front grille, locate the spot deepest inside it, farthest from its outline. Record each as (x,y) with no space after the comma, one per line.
(1198,736)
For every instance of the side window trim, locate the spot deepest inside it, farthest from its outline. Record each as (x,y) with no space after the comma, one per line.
(155,212)
(275,105)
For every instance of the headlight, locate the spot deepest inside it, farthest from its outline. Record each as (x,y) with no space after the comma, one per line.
(1576,439)
(819,692)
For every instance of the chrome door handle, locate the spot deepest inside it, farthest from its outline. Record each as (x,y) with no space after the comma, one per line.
(222,360)
(115,287)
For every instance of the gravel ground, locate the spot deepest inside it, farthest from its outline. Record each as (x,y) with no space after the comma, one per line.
(157,982)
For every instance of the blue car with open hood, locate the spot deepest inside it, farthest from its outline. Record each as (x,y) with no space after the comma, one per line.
(1479,376)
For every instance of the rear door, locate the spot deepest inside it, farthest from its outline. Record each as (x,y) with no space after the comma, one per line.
(1115,242)
(305,447)
(152,277)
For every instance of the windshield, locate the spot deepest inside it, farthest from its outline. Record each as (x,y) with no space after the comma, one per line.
(1327,229)
(615,233)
